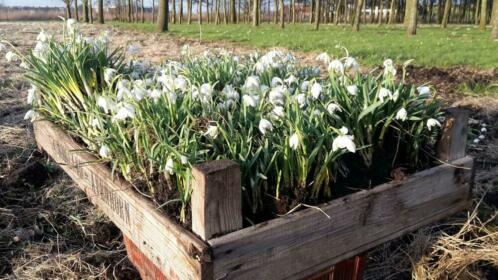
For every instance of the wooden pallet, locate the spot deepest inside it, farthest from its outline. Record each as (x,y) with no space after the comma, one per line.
(295,246)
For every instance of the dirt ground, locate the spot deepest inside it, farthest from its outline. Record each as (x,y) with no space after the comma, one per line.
(48,229)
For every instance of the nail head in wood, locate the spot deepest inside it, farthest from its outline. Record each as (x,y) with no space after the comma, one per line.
(216,198)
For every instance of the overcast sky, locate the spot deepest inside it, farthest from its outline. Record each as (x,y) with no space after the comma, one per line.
(31,3)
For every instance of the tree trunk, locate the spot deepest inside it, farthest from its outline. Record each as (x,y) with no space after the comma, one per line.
(392,12)
(233,15)
(281,10)
(76,14)
(153,10)
(85,10)
(217,11)
(90,8)
(162,16)
(381,11)
(411,10)
(357,16)
(446,15)
(180,16)
(100,7)
(129,10)
(255,13)
(476,8)
(494,21)
(293,11)
(173,8)
(199,12)
(317,14)
(68,9)
(484,14)
(189,11)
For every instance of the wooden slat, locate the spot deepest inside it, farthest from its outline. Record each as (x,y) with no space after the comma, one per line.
(302,243)
(176,251)
(453,141)
(216,198)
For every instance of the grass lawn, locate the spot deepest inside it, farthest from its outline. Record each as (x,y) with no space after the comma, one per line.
(432,46)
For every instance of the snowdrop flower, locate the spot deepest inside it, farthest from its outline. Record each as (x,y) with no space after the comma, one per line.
(481,137)
(183,160)
(181,83)
(323,57)
(94,122)
(170,165)
(109,75)
(31,94)
(476,141)
(42,37)
(352,90)
(123,92)
(316,89)
(105,103)
(344,141)
(432,122)
(138,93)
(351,65)
(395,96)
(71,25)
(31,115)
(133,49)
(252,83)
(250,100)
(276,96)
(265,126)
(185,50)
(424,90)
(24,65)
(304,86)
(291,80)
(11,56)
(276,81)
(332,108)
(126,111)
(278,112)
(230,92)
(317,112)
(2,47)
(483,129)
(259,67)
(301,100)
(336,67)
(294,141)
(401,114)
(104,151)
(383,93)
(389,69)
(212,131)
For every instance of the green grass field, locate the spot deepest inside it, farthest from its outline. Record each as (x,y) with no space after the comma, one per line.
(432,46)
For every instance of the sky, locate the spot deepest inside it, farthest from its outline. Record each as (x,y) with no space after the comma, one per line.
(33,3)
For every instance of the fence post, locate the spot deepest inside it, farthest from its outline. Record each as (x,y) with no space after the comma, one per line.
(216,198)
(453,141)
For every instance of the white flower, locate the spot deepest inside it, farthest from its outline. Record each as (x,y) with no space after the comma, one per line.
(351,65)
(332,108)
(167,81)
(109,75)
(250,100)
(104,151)
(185,50)
(133,49)
(389,68)
(212,131)
(352,90)
(323,57)
(383,93)
(395,96)
(317,112)
(11,56)
(24,65)
(181,83)
(123,92)
(42,37)
(138,93)
(301,100)
(126,111)
(276,81)
(105,103)
(292,79)
(31,94)
(230,92)
(432,122)
(71,25)
(252,83)
(424,90)
(278,112)
(336,67)
(276,95)
(31,115)
(183,160)
(304,86)
(476,141)
(170,165)
(294,141)
(481,137)
(265,126)
(483,129)
(94,122)
(259,67)
(155,94)
(401,114)
(316,89)
(344,141)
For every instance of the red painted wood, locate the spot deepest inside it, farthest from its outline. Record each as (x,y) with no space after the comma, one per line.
(147,270)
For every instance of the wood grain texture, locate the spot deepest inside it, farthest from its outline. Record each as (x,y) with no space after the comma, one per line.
(453,141)
(303,243)
(176,251)
(216,198)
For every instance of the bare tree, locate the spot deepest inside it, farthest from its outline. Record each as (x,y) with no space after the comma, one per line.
(101,11)
(162,16)
(76,10)
(446,14)
(255,13)
(90,8)
(317,14)
(68,8)
(357,17)
(494,21)
(484,14)
(85,10)
(411,18)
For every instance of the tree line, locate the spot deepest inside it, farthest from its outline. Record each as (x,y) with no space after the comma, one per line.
(282,12)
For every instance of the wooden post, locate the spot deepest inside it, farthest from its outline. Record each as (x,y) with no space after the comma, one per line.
(216,198)
(453,139)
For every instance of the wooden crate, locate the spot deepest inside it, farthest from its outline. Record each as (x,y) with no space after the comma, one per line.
(295,246)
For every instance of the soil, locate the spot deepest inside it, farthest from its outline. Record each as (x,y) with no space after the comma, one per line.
(48,229)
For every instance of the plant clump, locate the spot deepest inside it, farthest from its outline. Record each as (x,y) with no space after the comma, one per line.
(299,135)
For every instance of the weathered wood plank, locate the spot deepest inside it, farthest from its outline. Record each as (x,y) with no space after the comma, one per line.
(216,198)
(176,251)
(302,243)
(453,141)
